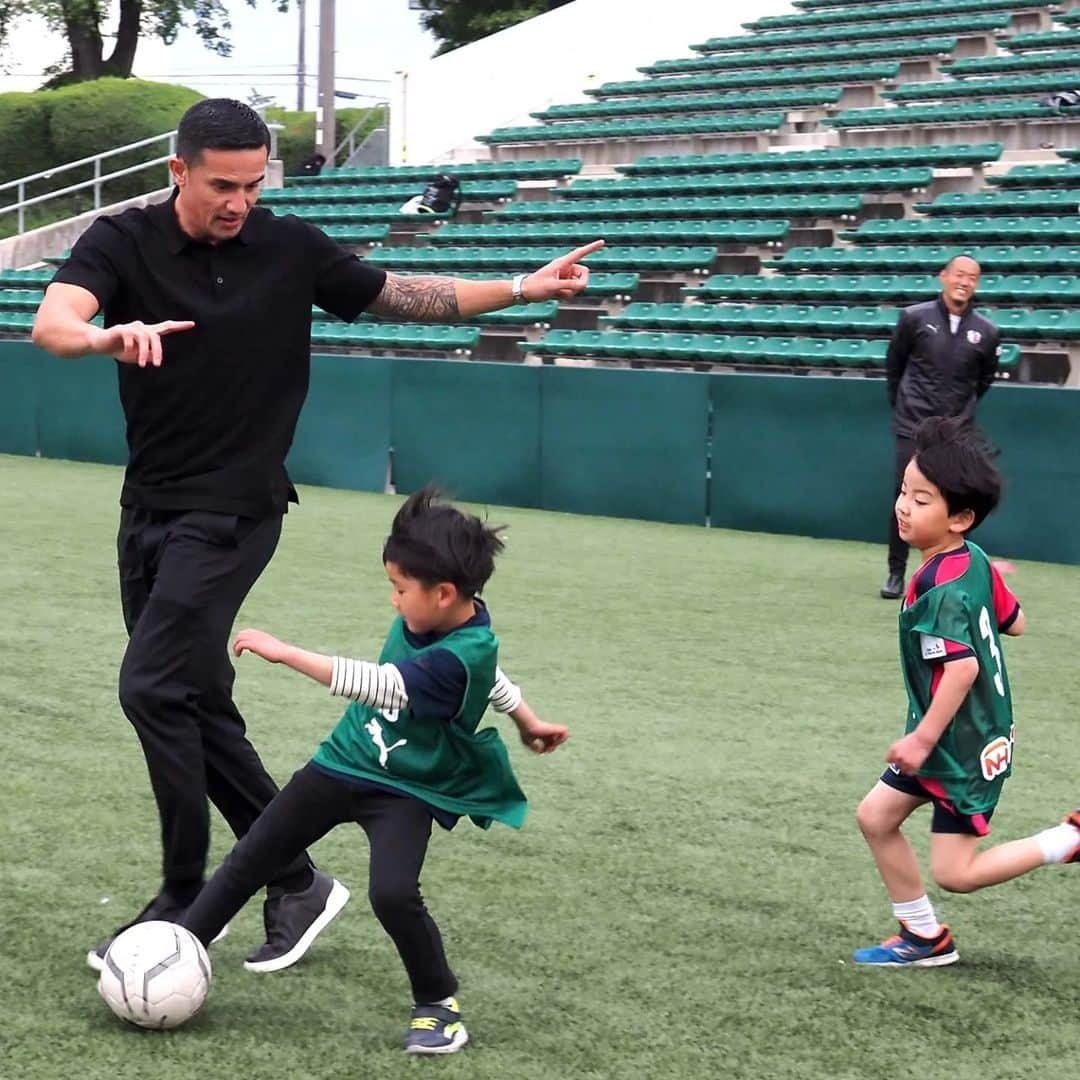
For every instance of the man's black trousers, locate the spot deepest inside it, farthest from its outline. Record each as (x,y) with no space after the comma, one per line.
(898,549)
(398,830)
(183,577)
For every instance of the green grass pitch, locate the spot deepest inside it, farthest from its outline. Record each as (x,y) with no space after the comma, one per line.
(684,898)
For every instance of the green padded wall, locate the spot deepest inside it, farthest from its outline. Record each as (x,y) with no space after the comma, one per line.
(472,427)
(343,437)
(80,417)
(794,454)
(1038,432)
(624,443)
(19,397)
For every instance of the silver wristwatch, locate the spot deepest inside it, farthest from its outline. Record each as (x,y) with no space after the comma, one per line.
(516,288)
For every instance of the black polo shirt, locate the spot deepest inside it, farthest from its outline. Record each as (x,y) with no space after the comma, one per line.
(210,428)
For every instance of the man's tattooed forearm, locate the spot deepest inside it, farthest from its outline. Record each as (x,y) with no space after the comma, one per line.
(421,299)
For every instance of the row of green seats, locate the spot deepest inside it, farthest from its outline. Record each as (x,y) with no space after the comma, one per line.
(858,180)
(1069,18)
(1070,154)
(470,192)
(941,114)
(725,348)
(761,231)
(635,259)
(718,206)
(375,213)
(1055,39)
(543,169)
(20,299)
(1059,60)
(948,24)
(873,13)
(692,103)
(615,129)
(1057,324)
(947,90)
(929,257)
(840,74)
(893,288)
(979,229)
(710,348)
(771,59)
(953,156)
(1037,201)
(25,279)
(1034,176)
(395,335)
(358,234)
(16,322)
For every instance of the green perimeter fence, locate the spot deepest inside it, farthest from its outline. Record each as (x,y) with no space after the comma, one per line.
(771,453)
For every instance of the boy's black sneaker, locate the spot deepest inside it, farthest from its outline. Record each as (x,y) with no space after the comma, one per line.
(162,907)
(436,1029)
(294,920)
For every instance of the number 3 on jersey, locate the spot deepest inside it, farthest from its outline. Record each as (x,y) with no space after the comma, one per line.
(986,629)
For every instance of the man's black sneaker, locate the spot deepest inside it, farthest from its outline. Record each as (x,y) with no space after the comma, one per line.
(294,920)
(162,907)
(893,587)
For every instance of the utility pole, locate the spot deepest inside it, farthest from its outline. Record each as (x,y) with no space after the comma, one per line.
(301,60)
(325,127)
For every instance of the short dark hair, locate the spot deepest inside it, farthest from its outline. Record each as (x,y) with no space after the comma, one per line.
(432,541)
(959,461)
(219,124)
(961,255)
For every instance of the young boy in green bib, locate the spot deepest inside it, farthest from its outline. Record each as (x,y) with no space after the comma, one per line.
(958,748)
(407,752)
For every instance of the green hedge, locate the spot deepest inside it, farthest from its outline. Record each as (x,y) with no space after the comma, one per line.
(25,146)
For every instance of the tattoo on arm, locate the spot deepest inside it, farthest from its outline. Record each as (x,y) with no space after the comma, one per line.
(421,299)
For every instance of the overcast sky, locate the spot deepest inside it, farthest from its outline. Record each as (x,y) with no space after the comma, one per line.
(374,39)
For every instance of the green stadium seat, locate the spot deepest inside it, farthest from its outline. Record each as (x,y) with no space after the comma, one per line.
(940,90)
(20,299)
(25,279)
(692,103)
(1039,201)
(940,114)
(943,156)
(544,169)
(1057,39)
(978,229)
(615,129)
(778,59)
(715,207)
(929,258)
(1038,176)
(837,74)
(634,259)
(889,28)
(872,13)
(1061,60)
(765,231)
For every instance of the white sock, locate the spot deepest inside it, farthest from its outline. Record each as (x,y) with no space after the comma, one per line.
(446,1003)
(1057,843)
(919,916)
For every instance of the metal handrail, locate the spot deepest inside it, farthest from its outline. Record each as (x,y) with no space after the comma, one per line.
(350,139)
(98,179)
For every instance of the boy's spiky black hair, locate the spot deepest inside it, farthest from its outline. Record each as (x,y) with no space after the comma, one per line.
(432,541)
(959,461)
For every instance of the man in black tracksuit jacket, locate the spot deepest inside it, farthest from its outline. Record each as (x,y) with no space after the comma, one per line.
(941,360)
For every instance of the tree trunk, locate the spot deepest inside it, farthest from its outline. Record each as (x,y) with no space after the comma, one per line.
(127,38)
(82,23)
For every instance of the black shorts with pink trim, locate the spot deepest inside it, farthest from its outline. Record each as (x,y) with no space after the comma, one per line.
(947,819)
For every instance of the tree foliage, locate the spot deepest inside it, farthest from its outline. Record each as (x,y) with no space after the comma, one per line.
(458,22)
(82,23)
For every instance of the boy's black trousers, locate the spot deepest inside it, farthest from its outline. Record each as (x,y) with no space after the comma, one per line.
(183,576)
(398,830)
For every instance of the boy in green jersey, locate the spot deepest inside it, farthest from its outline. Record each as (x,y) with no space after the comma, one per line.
(407,751)
(958,747)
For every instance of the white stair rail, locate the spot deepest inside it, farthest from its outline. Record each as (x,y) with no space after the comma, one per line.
(22,202)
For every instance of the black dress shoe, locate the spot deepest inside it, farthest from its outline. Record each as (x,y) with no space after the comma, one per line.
(893,587)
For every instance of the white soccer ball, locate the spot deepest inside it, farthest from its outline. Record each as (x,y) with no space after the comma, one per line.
(156,975)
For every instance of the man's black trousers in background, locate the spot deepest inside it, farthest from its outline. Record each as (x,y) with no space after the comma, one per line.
(898,549)
(183,577)
(398,830)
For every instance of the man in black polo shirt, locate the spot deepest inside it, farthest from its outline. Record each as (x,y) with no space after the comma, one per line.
(207,303)
(941,360)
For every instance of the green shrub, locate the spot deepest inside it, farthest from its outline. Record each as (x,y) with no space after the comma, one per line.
(25,145)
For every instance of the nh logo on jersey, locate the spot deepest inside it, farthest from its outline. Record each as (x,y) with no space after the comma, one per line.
(995,757)
(974,337)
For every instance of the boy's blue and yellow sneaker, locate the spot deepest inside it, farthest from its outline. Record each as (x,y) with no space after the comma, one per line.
(908,949)
(436,1029)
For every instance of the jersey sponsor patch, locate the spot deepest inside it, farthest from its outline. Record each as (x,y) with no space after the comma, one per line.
(995,757)
(933,648)
(974,337)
